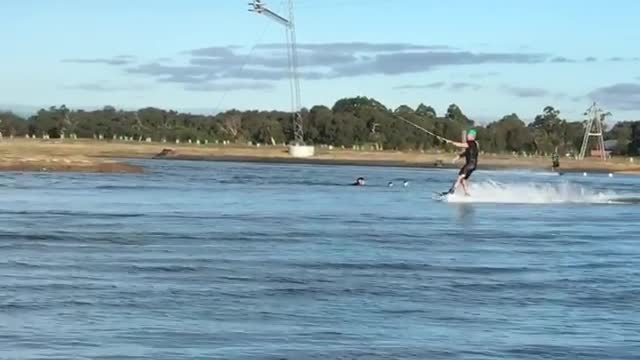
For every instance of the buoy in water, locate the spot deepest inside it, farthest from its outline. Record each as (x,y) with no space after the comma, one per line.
(584,174)
(610,175)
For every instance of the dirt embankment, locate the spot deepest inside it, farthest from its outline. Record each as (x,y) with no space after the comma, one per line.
(35,156)
(77,164)
(100,156)
(391,158)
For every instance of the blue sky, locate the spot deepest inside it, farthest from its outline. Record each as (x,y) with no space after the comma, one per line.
(490,57)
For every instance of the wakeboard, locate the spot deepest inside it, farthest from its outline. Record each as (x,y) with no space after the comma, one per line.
(441,195)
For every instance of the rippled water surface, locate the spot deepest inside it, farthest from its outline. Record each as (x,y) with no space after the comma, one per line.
(197,260)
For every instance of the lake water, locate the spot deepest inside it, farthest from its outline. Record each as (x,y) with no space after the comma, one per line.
(203,260)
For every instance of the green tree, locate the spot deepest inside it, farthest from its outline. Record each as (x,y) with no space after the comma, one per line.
(351,121)
(634,144)
(454,113)
(622,133)
(404,109)
(510,134)
(548,131)
(12,124)
(353,104)
(427,111)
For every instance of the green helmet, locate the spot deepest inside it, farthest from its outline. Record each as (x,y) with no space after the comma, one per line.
(473,132)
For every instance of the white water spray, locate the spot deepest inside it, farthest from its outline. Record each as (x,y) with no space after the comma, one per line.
(530,193)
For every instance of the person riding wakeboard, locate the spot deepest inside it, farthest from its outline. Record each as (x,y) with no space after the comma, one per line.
(555,160)
(470,154)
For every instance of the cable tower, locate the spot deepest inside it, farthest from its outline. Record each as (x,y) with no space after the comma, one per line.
(259,7)
(594,128)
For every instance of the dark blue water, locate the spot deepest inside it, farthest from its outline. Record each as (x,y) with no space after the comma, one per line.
(197,260)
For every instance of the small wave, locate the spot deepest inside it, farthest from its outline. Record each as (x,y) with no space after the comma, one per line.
(531,193)
(131,187)
(625,200)
(70,213)
(405,266)
(164,268)
(32,237)
(30,306)
(16,264)
(15,306)
(552,351)
(401,312)
(364,266)
(487,270)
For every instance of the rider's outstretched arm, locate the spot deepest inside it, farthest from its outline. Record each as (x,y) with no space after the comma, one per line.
(458,144)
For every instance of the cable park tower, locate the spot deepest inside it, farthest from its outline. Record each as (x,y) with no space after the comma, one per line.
(297,148)
(594,128)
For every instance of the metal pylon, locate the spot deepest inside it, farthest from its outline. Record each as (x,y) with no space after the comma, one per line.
(259,7)
(594,129)
(297,117)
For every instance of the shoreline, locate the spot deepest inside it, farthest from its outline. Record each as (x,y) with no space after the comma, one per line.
(110,157)
(331,162)
(387,163)
(429,163)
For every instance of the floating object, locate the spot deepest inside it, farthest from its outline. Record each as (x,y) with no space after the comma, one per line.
(610,175)
(584,174)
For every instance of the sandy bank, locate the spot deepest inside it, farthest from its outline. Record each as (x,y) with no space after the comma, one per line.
(67,165)
(94,156)
(32,156)
(401,159)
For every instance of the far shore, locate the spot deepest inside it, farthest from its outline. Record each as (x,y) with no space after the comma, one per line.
(105,157)
(497,164)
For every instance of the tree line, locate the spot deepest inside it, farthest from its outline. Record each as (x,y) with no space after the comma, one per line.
(358,121)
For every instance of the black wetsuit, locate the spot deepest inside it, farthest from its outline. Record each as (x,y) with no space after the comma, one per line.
(471,159)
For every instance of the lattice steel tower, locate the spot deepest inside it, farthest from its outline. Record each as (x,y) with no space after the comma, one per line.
(594,128)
